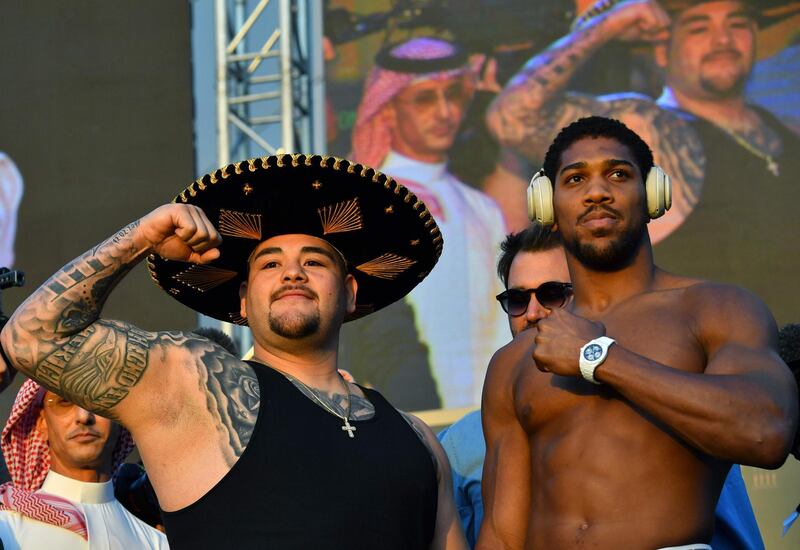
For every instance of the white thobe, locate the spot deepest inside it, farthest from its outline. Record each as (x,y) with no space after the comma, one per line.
(109,524)
(456,313)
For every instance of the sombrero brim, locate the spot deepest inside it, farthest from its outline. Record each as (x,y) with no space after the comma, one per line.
(387,235)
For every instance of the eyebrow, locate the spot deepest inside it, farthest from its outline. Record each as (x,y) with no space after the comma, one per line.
(610,163)
(706,18)
(303,250)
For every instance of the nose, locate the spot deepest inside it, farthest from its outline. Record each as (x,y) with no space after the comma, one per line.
(535,311)
(722,36)
(294,272)
(82,416)
(443,106)
(597,191)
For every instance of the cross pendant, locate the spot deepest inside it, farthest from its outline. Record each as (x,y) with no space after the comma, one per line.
(348,428)
(773,167)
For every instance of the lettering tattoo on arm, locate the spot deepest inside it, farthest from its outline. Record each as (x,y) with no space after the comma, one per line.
(59,340)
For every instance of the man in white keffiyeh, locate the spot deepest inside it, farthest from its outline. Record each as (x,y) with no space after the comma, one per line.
(413,104)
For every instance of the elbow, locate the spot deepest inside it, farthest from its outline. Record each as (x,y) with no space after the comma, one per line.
(772,444)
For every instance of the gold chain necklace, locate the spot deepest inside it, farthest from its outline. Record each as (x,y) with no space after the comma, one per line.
(772,165)
(349,428)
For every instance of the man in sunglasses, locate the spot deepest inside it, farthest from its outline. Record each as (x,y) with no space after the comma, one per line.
(533,269)
(614,424)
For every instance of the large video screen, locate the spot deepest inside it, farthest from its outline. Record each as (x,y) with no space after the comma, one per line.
(460,100)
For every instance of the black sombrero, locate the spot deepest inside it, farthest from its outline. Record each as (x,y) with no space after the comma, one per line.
(387,235)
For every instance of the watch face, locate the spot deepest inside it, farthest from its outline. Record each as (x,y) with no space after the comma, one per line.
(593,352)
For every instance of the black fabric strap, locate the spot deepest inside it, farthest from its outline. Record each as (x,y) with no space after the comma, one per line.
(386,60)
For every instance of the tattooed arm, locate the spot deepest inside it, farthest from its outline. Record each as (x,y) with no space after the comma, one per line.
(534,105)
(57,336)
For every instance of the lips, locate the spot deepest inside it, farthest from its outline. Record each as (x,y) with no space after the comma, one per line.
(598,218)
(85,437)
(731,55)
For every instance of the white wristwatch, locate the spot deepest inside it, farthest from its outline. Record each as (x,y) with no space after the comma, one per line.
(592,356)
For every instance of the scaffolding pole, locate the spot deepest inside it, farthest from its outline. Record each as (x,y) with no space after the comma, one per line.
(269,88)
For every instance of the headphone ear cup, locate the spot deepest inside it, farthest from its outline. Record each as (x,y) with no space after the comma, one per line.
(540,199)
(659,192)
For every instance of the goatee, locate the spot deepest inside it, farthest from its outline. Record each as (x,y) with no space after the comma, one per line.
(294,325)
(616,255)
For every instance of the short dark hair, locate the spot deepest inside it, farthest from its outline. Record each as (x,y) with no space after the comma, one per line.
(219,338)
(535,238)
(597,126)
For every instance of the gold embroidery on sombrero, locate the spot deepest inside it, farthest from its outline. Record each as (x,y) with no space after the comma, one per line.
(204,277)
(240,224)
(387,266)
(237,319)
(340,217)
(317,185)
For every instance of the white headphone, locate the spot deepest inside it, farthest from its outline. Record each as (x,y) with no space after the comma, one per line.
(540,196)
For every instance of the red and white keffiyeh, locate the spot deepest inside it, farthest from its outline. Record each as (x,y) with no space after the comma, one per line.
(27,456)
(371,137)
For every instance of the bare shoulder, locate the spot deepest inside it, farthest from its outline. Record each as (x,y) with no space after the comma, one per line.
(726,313)
(204,381)
(506,360)
(503,372)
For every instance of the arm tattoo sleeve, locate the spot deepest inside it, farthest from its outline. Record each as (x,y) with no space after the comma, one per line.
(59,340)
(534,105)
(231,390)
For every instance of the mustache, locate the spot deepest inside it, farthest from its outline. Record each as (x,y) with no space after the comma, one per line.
(726,51)
(603,207)
(289,288)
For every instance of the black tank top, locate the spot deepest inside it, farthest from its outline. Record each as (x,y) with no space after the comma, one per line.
(301,483)
(744,229)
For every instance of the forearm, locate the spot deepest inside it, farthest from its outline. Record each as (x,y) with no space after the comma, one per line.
(746,418)
(71,300)
(526,112)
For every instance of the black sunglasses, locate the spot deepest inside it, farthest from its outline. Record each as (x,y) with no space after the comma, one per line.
(514,301)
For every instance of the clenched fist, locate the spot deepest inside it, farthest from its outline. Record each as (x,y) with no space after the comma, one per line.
(560,339)
(637,20)
(180,232)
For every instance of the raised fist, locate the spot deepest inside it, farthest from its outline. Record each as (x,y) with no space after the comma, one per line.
(560,337)
(637,20)
(180,232)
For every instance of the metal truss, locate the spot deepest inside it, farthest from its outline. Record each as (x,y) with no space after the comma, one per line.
(269,86)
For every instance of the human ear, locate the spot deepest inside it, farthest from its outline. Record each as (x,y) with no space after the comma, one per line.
(660,54)
(41,425)
(242,300)
(351,291)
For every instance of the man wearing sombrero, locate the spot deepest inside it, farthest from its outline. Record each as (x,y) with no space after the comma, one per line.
(61,459)
(278,452)
(733,163)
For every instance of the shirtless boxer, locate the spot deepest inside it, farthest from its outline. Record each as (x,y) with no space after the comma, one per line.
(690,385)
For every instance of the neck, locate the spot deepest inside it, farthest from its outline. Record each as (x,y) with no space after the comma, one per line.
(316,367)
(596,291)
(85,474)
(431,157)
(731,112)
